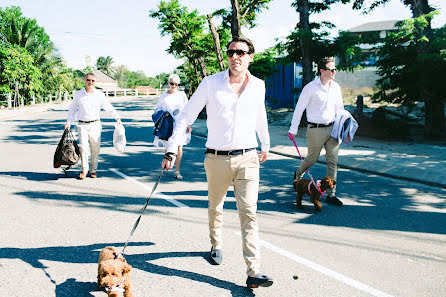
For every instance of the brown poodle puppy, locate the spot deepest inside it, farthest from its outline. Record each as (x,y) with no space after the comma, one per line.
(305,186)
(114,274)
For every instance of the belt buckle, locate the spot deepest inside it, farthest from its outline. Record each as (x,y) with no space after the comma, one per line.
(230,153)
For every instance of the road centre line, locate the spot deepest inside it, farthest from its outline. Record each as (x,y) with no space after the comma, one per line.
(328,272)
(157,194)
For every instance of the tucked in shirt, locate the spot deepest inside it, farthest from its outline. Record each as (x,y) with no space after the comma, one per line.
(232,120)
(320,103)
(88,106)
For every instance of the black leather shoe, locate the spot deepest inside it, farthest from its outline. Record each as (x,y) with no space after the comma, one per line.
(335,201)
(259,280)
(216,257)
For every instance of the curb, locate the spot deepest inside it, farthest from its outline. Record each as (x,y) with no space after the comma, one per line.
(362,170)
(404,178)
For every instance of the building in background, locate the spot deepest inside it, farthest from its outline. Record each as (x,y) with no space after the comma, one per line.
(104,82)
(372,36)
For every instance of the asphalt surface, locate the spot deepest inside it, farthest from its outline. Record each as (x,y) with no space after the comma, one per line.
(387,240)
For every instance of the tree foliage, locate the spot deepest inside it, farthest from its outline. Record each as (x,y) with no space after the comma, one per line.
(423,47)
(400,65)
(309,41)
(187,31)
(26,34)
(264,64)
(192,40)
(249,10)
(105,64)
(17,66)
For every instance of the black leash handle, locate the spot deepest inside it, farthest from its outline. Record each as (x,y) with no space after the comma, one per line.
(142,212)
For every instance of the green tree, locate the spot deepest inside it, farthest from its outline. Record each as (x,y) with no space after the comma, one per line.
(27,34)
(422,40)
(105,64)
(186,29)
(309,42)
(400,67)
(243,13)
(120,76)
(264,64)
(17,66)
(135,78)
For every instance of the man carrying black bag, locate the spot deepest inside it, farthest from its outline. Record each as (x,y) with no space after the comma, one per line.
(87,104)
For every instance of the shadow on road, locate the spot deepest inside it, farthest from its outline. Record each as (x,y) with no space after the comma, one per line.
(90,253)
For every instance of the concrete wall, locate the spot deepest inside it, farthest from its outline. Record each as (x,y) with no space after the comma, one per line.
(366,77)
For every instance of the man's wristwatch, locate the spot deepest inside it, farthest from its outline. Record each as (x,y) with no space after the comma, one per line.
(169,156)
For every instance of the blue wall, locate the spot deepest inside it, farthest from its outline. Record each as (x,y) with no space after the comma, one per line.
(280,87)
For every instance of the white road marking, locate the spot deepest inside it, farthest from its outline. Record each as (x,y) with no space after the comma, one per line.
(328,272)
(157,194)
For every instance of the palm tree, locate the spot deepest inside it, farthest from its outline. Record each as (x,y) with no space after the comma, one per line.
(26,33)
(105,65)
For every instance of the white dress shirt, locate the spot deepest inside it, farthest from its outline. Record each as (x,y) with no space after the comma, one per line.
(88,106)
(232,121)
(321,103)
(173,104)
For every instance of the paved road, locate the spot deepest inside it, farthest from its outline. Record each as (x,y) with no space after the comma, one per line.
(388,240)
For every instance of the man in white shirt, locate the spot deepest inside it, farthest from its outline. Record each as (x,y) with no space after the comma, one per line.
(87,104)
(235,106)
(322,99)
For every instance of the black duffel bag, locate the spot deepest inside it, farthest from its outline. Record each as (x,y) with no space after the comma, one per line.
(67,151)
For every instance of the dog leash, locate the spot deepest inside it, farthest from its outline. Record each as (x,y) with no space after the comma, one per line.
(142,212)
(309,174)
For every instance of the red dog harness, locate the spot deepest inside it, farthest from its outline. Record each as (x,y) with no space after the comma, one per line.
(317,184)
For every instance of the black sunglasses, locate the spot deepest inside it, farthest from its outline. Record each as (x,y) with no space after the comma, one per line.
(240,53)
(90,80)
(332,70)
(172,84)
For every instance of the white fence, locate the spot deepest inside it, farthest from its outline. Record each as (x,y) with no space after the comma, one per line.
(8,101)
(132,92)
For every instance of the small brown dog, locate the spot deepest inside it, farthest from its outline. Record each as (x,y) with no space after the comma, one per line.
(114,273)
(305,186)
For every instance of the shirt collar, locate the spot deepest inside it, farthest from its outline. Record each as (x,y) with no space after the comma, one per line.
(247,71)
(318,79)
(85,91)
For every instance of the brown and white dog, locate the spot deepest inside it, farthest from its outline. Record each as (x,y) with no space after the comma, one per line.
(114,273)
(305,186)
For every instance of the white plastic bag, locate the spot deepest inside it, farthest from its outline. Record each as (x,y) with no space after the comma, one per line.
(119,141)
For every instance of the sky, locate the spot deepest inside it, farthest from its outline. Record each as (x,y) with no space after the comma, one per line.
(124,30)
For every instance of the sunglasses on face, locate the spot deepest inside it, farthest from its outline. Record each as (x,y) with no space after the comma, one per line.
(92,80)
(332,70)
(240,53)
(172,84)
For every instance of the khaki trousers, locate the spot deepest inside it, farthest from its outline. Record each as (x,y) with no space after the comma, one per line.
(316,139)
(243,171)
(89,143)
